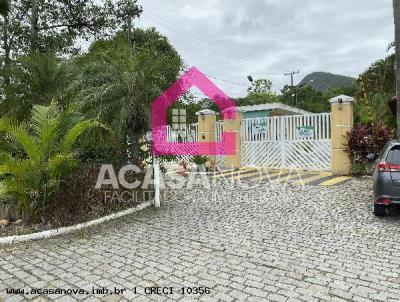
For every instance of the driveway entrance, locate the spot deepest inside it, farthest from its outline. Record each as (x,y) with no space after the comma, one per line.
(275,243)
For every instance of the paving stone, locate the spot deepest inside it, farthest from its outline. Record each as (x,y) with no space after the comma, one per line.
(14,298)
(315,244)
(276,297)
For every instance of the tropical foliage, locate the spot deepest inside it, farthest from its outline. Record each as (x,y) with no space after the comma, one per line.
(375,122)
(37,78)
(118,84)
(56,101)
(364,140)
(376,86)
(38,156)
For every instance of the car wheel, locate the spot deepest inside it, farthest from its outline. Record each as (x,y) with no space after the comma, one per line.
(379,210)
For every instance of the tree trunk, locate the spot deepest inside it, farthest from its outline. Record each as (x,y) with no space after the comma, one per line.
(135,149)
(7,51)
(34,24)
(129,29)
(396,12)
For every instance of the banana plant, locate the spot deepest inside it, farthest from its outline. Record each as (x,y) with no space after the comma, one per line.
(39,156)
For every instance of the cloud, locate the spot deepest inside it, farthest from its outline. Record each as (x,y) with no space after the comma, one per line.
(266,38)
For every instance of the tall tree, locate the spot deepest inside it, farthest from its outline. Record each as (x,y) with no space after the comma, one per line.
(34,24)
(118,85)
(50,26)
(40,29)
(37,79)
(396,13)
(258,93)
(14,14)
(260,87)
(375,87)
(55,25)
(127,10)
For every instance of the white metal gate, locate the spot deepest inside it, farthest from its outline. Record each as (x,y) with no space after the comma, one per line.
(189,133)
(293,141)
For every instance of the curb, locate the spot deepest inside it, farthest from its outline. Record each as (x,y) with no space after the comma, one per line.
(66,230)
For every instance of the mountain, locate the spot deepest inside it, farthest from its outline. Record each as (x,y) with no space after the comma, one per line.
(321,81)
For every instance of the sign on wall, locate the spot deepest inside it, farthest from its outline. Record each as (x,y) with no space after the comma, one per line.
(304,132)
(259,129)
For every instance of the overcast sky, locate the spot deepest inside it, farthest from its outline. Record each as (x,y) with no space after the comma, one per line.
(266,38)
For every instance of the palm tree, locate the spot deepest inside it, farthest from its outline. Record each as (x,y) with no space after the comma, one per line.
(37,157)
(396,13)
(117,85)
(120,96)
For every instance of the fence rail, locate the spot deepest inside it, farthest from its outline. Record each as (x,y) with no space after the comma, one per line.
(186,134)
(297,141)
(287,128)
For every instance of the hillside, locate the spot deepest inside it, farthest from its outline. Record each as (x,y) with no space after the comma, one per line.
(324,80)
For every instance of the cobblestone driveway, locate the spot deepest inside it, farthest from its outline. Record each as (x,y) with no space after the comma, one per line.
(279,244)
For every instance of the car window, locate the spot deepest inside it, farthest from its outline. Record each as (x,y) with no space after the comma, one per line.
(382,153)
(393,156)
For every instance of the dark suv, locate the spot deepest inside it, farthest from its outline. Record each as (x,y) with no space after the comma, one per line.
(387,178)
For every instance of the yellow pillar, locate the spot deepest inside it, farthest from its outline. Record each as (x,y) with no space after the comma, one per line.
(342,108)
(206,128)
(234,161)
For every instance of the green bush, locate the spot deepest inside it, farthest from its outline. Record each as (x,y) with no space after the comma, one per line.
(200,160)
(363,140)
(96,154)
(6,200)
(361,167)
(49,156)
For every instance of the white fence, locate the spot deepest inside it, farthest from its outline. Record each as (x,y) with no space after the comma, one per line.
(189,133)
(298,141)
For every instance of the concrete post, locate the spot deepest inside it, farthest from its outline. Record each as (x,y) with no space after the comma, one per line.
(156,167)
(206,129)
(342,108)
(234,161)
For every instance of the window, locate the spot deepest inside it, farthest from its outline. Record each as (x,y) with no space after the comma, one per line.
(178,119)
(393,156)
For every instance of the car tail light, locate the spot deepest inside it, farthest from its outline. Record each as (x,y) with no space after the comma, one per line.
(384,201)
(386,167)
